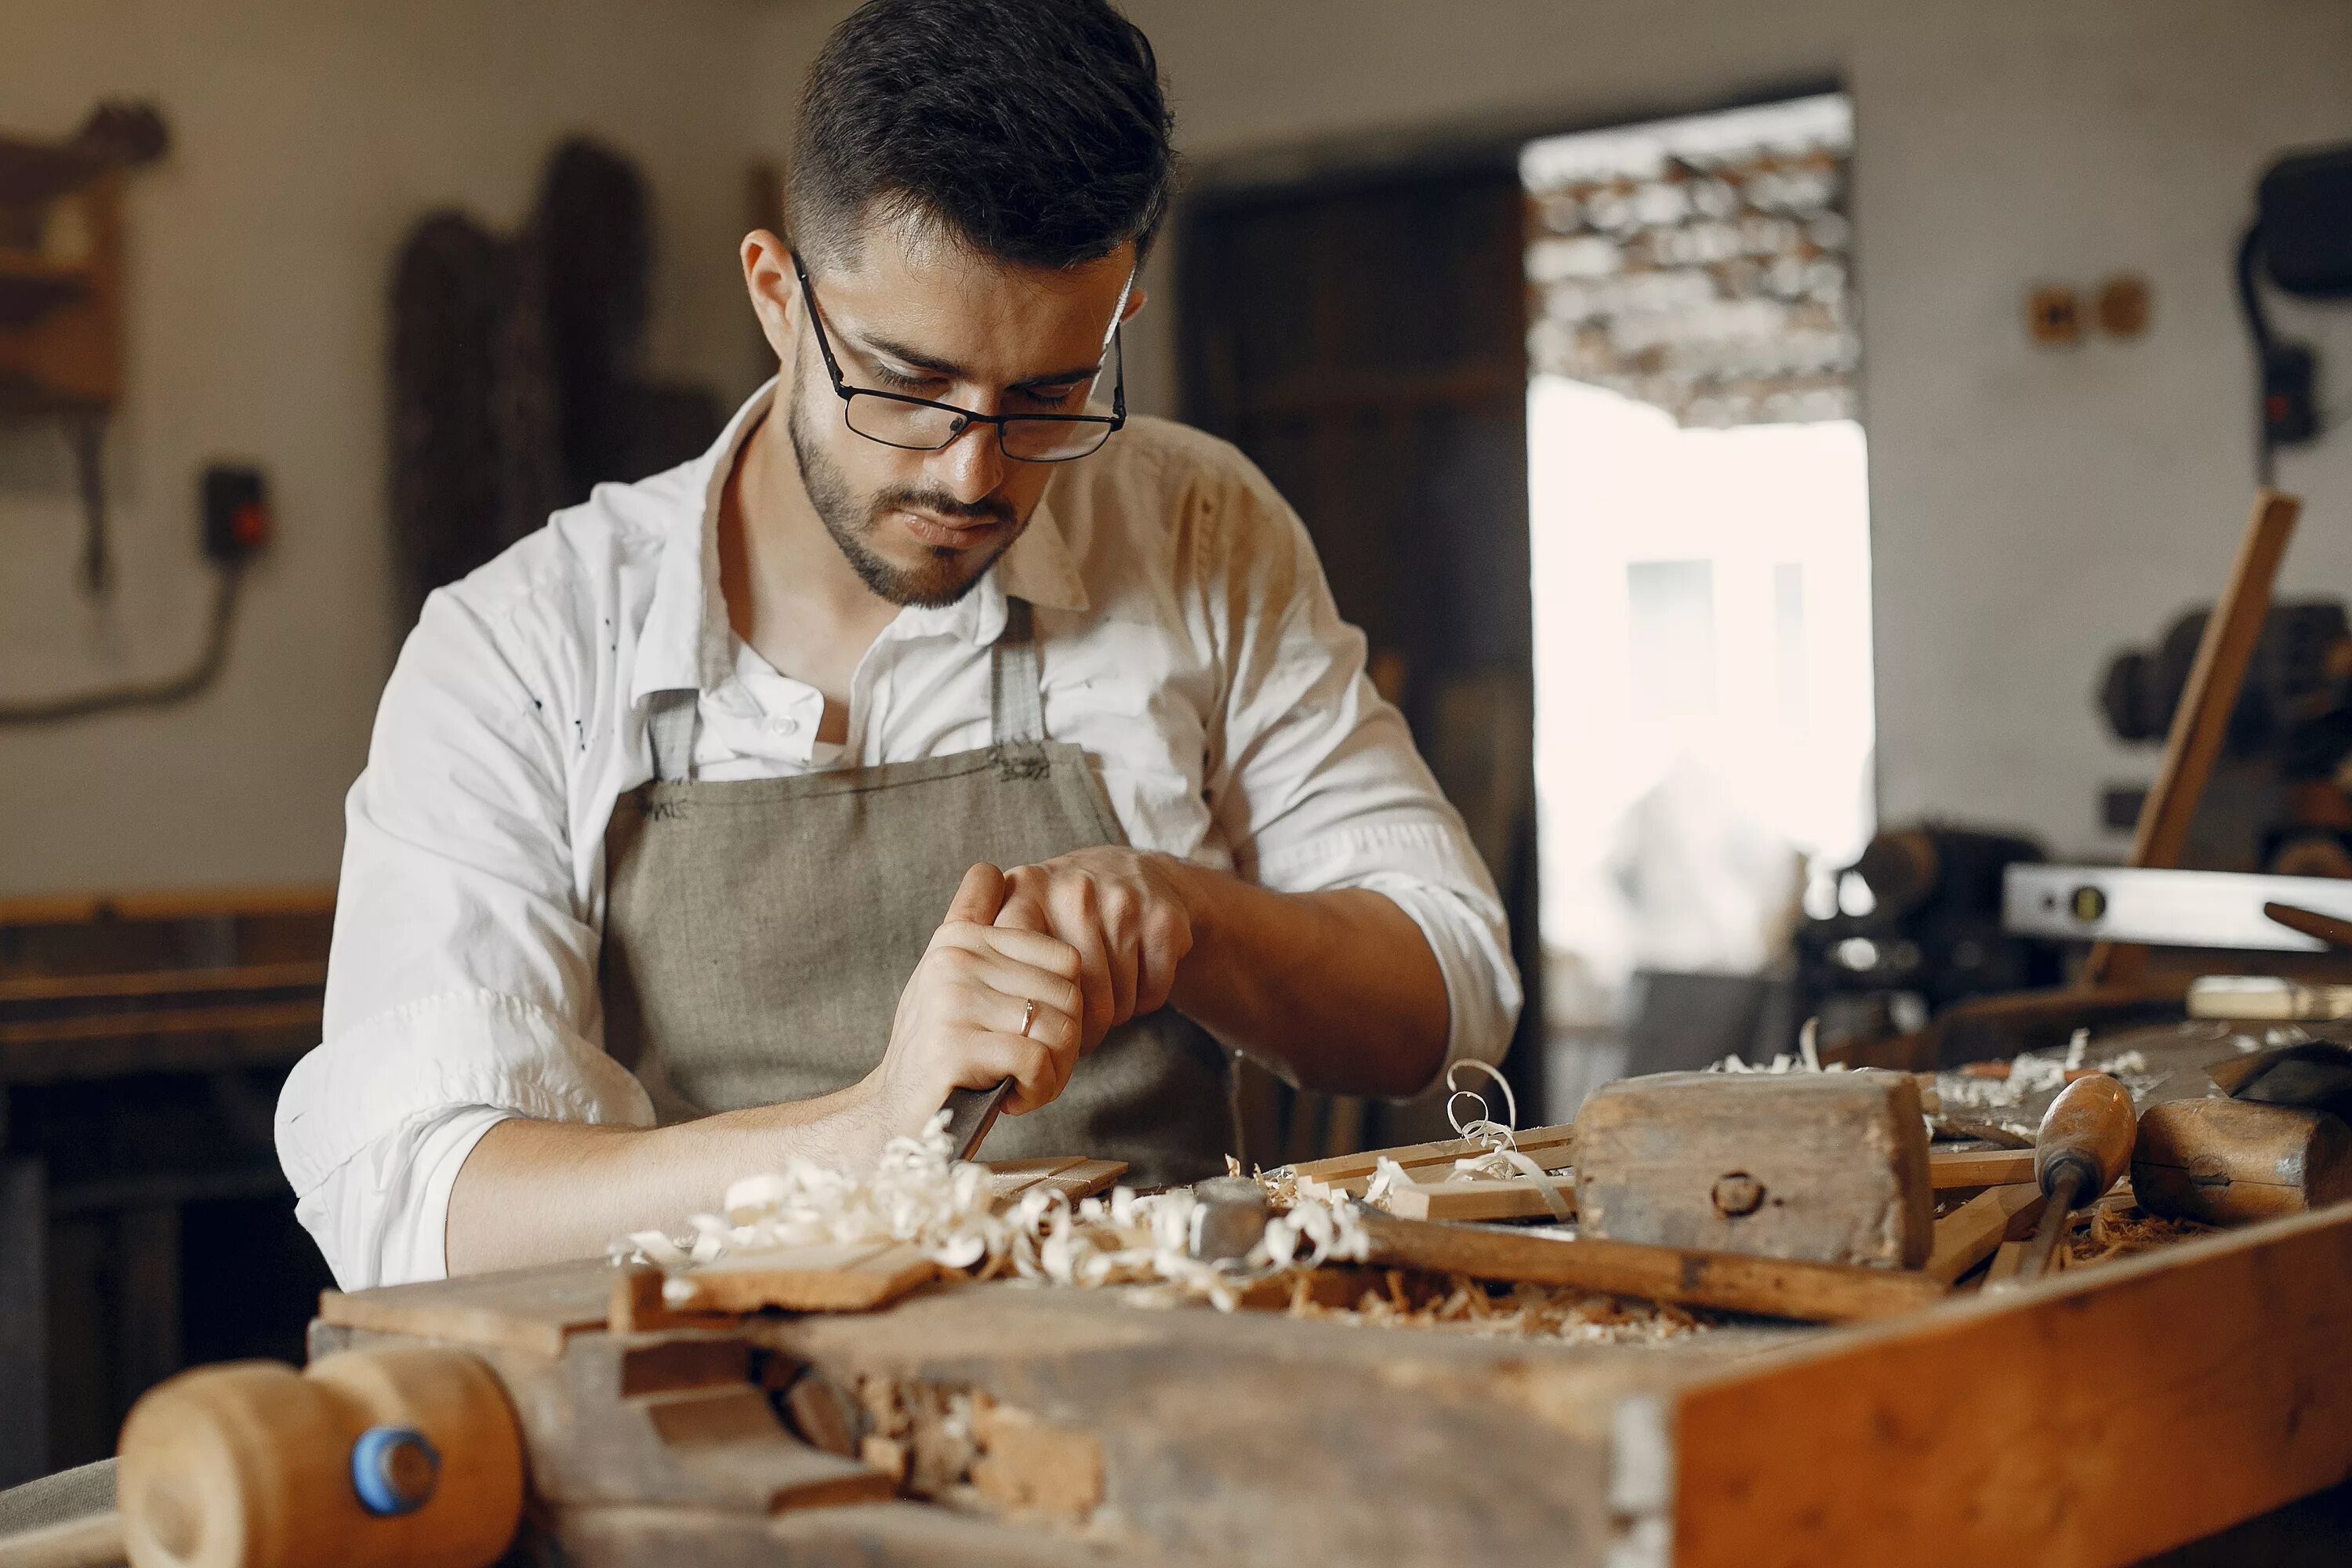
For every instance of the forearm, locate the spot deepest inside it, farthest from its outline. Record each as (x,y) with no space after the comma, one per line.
(539,1192)
(1338,988)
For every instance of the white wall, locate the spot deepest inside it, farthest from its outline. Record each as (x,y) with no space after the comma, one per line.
(309,138)
(2031,511)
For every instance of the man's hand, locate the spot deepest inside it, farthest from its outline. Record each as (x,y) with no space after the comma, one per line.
(960,1023)
(1127,915)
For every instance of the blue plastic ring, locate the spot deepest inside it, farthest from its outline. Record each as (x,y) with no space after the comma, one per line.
(379,1457)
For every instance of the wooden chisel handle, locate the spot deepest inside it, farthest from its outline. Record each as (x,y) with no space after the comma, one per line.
(970,1113)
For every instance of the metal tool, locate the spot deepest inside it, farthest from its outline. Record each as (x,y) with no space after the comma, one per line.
(970,1113)
(2172,908)
(2084,1143)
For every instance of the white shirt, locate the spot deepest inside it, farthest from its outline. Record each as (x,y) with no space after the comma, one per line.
(1188,644)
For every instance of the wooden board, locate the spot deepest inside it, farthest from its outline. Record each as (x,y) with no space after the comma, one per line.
(1478,1199)
(2091,1420)
(528,1310)
(1779,1288)
(1552,1148)
(1970,1234)
(1951,1168)
(2201,721)
(831,1277)
(1069,1174)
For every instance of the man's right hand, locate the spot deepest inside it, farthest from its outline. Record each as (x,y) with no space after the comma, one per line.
(959,1024)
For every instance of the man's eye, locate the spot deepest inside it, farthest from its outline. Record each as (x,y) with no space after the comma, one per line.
(898,383)
(1052,396)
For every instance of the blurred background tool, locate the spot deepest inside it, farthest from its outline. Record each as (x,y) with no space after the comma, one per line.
(2172,908)
(2085,1144)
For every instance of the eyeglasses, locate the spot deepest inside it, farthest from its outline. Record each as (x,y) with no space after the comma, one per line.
(919,424)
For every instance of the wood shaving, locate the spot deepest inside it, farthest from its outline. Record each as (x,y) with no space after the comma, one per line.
(2119,1230)
(918,1194)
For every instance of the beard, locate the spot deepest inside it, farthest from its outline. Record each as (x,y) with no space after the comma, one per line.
(855,523)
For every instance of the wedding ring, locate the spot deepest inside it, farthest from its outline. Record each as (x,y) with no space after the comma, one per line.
(1028,1015)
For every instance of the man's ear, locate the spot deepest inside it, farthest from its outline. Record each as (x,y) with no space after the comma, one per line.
(768,278)
(1135,299)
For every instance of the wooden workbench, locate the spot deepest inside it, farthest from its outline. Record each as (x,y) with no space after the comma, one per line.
(2095,1417)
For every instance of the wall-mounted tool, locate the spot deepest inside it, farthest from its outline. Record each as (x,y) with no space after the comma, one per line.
(235,506)
(2301,238)
(61,290)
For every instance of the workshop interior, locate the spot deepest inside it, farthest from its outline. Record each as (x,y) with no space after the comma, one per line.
(1851,502)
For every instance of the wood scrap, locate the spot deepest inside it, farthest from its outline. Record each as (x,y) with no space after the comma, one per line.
(1552,1148)
(530,1309)
(1950,1168)
(827,1277)
(1069,1174)
(1771,1287)
(1482,1198)
(1971,1232)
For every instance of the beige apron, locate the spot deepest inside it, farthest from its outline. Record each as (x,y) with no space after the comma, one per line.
(758,934)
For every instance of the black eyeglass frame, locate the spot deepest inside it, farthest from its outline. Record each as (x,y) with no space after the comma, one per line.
(965,417)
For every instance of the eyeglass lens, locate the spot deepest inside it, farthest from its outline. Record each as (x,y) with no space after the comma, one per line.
(922,429)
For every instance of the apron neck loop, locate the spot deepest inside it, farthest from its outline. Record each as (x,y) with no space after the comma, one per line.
(1016,708)
(670,724)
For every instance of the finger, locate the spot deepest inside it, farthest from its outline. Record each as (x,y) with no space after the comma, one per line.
(1038,1072)
(1024,905)
(1005,989)
(978,896)
(1110,919)
(1165,944)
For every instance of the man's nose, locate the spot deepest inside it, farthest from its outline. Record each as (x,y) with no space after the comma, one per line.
(971,466)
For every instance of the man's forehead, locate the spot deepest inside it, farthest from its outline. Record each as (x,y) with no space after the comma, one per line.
(947,303)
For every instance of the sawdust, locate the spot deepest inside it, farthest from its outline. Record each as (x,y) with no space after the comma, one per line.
(2121,1230)
(1459,1304)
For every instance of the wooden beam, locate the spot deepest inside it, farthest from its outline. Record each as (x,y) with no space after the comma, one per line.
(1518,1198)
(2050,1425)
(1950,1168)
(1969,1234)
(1771,1286)
(2202,718)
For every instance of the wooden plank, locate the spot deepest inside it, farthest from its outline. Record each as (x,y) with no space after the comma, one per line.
(2202,718)
(831,1277)
(1071,1176)
(528,1310)
(1478,1199)
(168,904)
(1969,1234)
(1771,1287)
(295,1015)
(161,983)
(2097,1418)
(1552,1148)
(1951,1168)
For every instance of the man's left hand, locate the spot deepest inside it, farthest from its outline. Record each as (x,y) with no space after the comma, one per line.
(1128,914)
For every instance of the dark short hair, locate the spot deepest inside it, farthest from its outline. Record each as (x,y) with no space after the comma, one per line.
(1034,130)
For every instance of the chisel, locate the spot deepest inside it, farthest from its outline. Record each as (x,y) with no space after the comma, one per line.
(2084,1143)
(970,1113)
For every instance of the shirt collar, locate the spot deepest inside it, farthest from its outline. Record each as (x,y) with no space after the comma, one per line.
(685,643)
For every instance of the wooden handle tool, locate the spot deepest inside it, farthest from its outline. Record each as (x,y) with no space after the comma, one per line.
(2084,1143)
(2312,923)
(970,1113)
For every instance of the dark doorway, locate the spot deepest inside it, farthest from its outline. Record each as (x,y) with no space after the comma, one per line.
(1362,338)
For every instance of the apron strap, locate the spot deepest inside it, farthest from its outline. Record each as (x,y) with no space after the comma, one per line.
(1016,708)
(669,723)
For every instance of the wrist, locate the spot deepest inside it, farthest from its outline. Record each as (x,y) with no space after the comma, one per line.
(1199,894)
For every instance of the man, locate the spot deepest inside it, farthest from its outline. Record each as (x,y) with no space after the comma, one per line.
(664,804)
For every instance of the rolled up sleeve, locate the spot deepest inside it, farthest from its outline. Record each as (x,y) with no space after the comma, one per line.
(461,987)
(1316,784)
